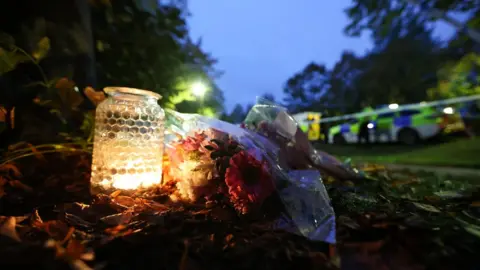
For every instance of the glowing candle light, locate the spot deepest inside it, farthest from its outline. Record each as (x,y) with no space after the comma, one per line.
(128,142)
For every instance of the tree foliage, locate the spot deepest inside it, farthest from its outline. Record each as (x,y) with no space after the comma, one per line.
(458,78)
(151,49)
(399,69)
(308,85)
(387,17)
(120,43)
(269,97)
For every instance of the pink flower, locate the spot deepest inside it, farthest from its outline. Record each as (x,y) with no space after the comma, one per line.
(249,183)
(194,142)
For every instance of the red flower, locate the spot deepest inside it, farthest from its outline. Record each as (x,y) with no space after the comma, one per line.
(248,181)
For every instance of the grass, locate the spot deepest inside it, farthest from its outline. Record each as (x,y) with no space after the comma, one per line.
(460,153)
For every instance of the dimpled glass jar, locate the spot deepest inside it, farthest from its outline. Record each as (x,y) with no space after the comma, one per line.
(128,142)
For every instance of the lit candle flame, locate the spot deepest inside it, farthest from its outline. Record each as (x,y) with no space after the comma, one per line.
(130,181)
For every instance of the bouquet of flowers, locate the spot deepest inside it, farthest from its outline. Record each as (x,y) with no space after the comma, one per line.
(263,172)
(211,163)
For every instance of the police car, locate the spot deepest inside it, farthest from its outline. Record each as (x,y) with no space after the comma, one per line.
(406,124)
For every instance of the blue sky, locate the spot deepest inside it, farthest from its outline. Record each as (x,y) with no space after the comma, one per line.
(261,43)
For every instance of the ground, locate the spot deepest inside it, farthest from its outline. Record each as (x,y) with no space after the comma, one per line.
(456,153)
(389,220)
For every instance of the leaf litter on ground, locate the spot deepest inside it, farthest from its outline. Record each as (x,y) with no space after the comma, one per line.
(391,220)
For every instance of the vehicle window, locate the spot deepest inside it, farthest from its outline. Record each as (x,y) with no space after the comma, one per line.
(409,112)
(386,115)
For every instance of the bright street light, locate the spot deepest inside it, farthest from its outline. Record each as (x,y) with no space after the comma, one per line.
(448,110)
(199,89)
(393,106)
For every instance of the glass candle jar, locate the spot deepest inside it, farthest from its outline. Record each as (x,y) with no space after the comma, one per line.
(128,142)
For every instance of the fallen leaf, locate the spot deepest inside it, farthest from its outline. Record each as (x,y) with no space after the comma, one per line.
(74,249)
(80,265)
(124,201)
(96,97)
(115,193)
(449,194)
(116,219)
(58,230)
(473,230)
(11,169)
(475,204)
(74,253)
(427,207)
(8,229)
(228,238)
(20,185)
(68,236)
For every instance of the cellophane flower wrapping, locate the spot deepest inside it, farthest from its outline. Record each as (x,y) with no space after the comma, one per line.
(211,161)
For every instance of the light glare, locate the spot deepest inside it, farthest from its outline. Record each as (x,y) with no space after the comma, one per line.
(393,106)
(448,110)
(199,89)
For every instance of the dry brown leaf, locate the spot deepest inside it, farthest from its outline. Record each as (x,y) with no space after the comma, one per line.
(116,219)
(75,249)
(74,253)
(228,238)
(35,219)
(475,204)
(10,168)
(8,229)
(3,181)
(118,230)
(332,251)
(96,97)
(20,185)
(68,236)
(124,201)
(58,230)
(115,193)
(64,83)
(3,111)
(80,265)
(18,219)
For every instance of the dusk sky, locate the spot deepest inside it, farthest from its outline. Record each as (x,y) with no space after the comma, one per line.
(261,43)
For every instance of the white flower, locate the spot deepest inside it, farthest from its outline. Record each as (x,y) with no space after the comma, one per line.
(191,176)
